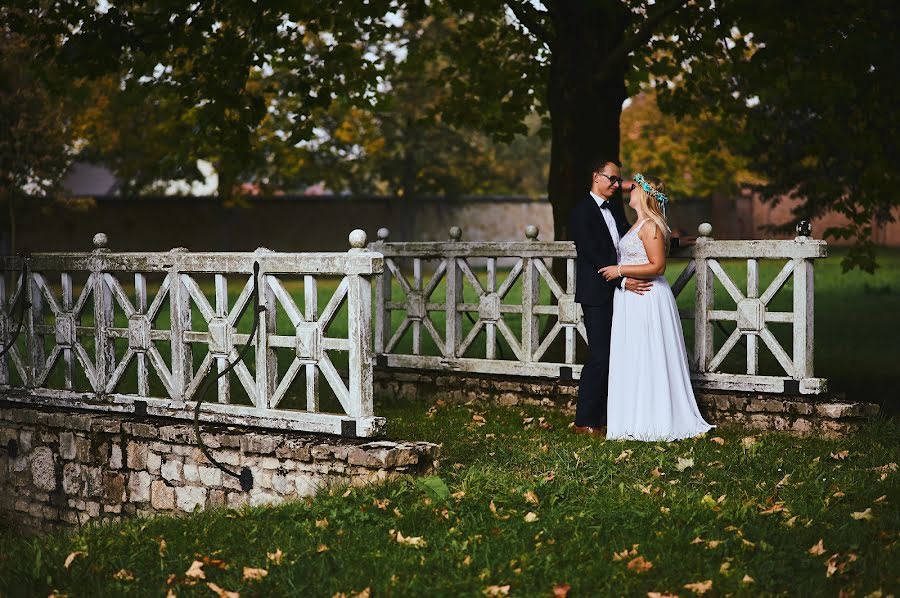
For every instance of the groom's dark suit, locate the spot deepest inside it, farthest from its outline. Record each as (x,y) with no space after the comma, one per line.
(595,249)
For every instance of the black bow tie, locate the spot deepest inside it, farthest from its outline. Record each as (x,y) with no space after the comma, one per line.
(604,205)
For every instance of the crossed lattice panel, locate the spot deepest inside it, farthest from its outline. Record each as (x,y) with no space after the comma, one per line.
(416,305)
(7,328)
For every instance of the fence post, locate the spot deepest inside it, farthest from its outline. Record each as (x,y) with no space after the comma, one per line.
(454,295)
(704,300)
(359,316)
(180,320)
(531,296)
(103,317)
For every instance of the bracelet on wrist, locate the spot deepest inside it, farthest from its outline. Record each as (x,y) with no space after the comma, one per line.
(619,269)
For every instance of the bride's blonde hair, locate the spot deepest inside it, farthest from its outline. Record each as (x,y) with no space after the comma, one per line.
(652,207)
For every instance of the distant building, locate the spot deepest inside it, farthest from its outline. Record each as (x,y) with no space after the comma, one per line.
(91,180)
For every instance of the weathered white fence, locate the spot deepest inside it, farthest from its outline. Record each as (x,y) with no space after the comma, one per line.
(75,326)
(485,300)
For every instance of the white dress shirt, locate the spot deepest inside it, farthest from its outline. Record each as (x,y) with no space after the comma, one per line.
(610,221)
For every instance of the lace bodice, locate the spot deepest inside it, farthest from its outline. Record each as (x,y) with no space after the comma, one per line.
(631,248)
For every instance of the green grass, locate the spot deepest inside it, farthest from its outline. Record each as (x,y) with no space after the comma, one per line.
(713,521)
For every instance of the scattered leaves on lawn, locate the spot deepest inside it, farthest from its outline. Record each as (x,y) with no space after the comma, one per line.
(639,565)
(834,564)
(221,592)
(72,556)
(254,574)
(818,548)
(700,587)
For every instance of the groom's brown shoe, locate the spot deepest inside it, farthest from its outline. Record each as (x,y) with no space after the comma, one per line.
(599,431)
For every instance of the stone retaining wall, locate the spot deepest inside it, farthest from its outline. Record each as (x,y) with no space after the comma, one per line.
(72,467)
(802,414)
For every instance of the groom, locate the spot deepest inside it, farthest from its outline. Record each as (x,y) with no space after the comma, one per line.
(596,227)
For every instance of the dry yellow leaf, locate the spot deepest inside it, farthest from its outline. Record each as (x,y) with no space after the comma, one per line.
(818,548)
(619,556)
(713,543)
(322,548)
(665,510)
(724,567)
(748,441)
(531,497)
(639,565)
(275,557)
(467,561)
(747,580)
(124,575)
(881,499)
(322,523)
(867,515)
(623,456)
(459,495)
(841,455)
(697,540)
(72,556)
(195,571)
(561,590)
(718,440)
(496,590)
(530,517)
(414,541)
(221,592)
(661,595)
(254,574)
(700,587)
(381,503)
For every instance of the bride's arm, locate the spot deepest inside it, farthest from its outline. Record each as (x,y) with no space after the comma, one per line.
(654,245)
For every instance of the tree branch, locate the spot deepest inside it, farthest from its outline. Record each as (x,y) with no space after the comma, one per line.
(639,38)
(531,17)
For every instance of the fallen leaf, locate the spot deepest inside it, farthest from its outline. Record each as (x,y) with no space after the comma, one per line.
(867,515)
(724,567)
(623,456)
(713,543)
(718,440)
(665,510)
(414,541)
(381,503)
(639,565)
(840,455)
(195,571)
(479,419)
(790,522)
(817,549)
(459,495)
(661,595)
(531,497)
(838,494)
(467,561)
(496,590)
(72,556)
(527,420)
(656,472)
(530,517)
(162,547)
(322,523)
(550,476)
(700,587)
(211,562)
(684,463)
(275,557)
(747,442)
(493,507)
(561,590)
(881,499)
(747,580)
(783,481)
(697,540)
(620,556)
(347,493)
(124,575)
(322,548)
(397,513)
(253,574)
(775,508)
(221,592)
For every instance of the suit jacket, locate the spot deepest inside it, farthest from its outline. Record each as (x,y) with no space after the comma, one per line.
(595,249)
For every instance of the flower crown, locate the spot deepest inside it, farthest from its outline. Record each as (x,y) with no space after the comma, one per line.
(662,198)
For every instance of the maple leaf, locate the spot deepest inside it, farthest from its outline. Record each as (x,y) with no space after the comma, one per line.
(496,590)
(817,549)
(867,515)
(531,497)
(72,556)
(700,587)
(639,565)
(221,592)
(195,571)
(561,590)
(275,557)
(253,574)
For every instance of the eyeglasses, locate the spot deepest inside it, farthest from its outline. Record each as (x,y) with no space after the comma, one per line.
(613,180)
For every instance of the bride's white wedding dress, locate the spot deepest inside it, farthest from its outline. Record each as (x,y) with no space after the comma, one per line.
(650,394)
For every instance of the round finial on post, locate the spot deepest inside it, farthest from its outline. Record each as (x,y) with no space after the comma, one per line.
(455,233)
(705,229)
(358,239)
(383,234)
(100,241)
(804,229)
(262,250)
(531,232)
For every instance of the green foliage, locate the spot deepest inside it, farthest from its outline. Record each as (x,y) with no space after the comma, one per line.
(750,508)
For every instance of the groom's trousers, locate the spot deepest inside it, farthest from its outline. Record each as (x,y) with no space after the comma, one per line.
(592,389)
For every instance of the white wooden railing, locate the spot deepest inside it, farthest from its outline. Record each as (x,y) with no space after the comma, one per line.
(77,298)
(417,272)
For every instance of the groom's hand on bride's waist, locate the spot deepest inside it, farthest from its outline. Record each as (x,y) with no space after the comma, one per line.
(638,286)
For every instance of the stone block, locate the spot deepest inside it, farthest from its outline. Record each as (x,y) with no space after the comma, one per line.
(306,485)
(136,456)
(115,456)
(210,476)
(139,486)
(189,498)
(43,473)
(835,410)
(162,497)
(191,473)
(142,430)
(259,444)
(236,500)
(25,437)
(177,433)
(92,508)
(329,452)
(72,482)
(83,450)
(259,498)
(227,457)
(802,426)
(171,470)
(798,407)
(270,463)
(67,446)
(216,498)
(154,462)
(283,484)
(106,425)
(113,488)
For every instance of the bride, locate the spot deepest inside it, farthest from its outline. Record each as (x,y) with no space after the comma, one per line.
(650,395)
